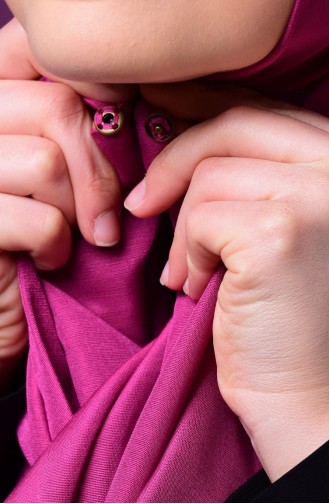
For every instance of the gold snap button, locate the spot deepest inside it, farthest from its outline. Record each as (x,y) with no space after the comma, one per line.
(108,120)
(159,127)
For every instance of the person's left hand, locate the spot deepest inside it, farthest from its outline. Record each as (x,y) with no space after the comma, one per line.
(234,125)
(257,199)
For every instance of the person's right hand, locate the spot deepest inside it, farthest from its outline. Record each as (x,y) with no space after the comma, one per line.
(56,112)
(52,175)
(46,153)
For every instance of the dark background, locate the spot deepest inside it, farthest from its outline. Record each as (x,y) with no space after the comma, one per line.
(4,13)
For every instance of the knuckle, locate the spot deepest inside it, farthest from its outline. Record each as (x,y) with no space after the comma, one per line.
(194,223)
(281,231)
(52,226)
(63,103)
(102,181)
(168,157)
(207,168)
(8,274)
(13,335)
(276,240)
(236,113)
(48,163)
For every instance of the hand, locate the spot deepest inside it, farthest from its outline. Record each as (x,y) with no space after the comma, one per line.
(57,113)
(51,175)
(46,153)
(258,200)
(188,102)
(40,224)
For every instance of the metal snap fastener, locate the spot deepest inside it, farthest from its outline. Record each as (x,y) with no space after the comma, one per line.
(159,127)
(108,120)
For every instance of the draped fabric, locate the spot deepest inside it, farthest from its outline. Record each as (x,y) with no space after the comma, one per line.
(122,399)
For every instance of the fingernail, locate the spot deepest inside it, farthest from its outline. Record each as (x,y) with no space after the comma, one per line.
(165,275)
(106,229)
(136,197)
(186,288)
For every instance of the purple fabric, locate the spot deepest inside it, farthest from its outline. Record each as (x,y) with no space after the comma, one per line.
(5,14)
(122,400)
(298,66)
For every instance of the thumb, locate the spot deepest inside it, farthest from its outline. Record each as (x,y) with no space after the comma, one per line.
(96,187)
(57,113)
(235,133)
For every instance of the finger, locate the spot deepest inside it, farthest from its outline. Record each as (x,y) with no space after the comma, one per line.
(35,166)
(227,231)
(56,112)
(40,229)
(241,132)
(199,100)
(224,179)
(234,179)
(13,332)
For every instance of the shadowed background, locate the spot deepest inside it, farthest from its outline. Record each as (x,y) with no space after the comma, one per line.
(5,14)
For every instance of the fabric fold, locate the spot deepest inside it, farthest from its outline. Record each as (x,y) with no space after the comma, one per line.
(122,399)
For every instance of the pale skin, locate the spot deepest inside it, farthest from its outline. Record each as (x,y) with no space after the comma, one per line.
(271,322)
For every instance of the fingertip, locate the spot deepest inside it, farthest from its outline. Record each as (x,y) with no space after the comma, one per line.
(165,275)
(186,288)
(49,260)
(195,287)
(107,229)
(136,197)
(192,292)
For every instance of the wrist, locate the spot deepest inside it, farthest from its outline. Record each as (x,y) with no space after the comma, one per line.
(287,434)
